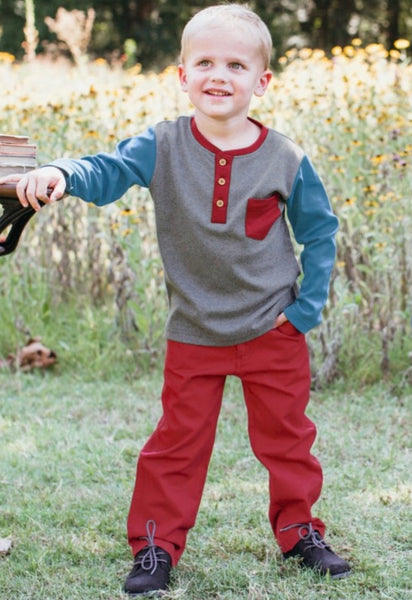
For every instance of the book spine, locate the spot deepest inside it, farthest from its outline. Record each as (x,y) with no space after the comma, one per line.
(18,169)
(19,149)
(17,161)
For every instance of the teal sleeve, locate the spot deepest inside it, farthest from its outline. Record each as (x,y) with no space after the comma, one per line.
(104,178)
(314,226)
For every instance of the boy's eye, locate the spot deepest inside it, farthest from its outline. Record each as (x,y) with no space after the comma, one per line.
(236,66)
(204,63)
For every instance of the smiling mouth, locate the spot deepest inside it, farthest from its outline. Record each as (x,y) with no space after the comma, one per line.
(218,93)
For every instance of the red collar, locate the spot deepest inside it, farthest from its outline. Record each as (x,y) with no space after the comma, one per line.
(238,151)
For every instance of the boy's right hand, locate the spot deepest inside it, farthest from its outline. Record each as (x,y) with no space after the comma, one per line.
(47,184)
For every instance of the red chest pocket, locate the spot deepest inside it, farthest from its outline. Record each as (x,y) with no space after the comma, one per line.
(261,214)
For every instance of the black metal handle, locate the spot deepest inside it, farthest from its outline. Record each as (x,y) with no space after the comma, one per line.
(13,216)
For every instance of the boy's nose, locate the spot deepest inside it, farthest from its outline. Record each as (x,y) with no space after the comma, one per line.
(218,74)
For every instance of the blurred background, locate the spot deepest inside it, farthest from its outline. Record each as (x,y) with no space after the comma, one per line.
(148,32)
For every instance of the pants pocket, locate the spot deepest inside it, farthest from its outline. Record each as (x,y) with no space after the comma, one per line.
(288,329)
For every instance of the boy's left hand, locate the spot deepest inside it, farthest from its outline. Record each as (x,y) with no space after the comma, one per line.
(280,319)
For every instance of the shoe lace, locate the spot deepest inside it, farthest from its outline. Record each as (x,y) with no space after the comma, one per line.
(153,555)
(312,538)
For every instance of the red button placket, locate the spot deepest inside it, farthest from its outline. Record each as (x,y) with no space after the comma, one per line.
(223,167)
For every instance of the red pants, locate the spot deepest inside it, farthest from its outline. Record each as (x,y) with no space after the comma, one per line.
(172,467)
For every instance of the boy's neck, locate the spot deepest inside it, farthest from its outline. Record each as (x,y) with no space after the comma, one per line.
(228,134)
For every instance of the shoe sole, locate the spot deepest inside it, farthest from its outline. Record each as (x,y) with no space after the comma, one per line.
(339,575)
(151,594)
(302,565)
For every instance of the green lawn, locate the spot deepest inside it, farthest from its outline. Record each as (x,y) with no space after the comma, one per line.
(68,453)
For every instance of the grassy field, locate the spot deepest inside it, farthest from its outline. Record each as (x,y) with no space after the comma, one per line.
(68,454)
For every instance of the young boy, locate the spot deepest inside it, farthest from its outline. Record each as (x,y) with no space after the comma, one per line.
(221,184)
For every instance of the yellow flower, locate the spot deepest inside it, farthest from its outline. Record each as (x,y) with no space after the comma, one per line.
(395,54)
(378,159)
(92,133)
(305,53)
(170,70)
(6,57)
(336,51)
(291,53)
(401,44)
(135,70)
(318,54)
(380,245)
(356,42)
(349,51)
(374,48)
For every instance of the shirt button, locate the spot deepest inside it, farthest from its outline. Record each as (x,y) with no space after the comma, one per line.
(220,203)
(221,181)
(222,162)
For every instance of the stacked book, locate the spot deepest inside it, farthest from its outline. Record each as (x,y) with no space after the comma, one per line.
(17,155)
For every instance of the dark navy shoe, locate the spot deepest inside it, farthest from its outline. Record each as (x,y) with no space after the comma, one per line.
(316,554)
(151,569)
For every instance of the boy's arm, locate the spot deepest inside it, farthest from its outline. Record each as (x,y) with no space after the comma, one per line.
(100,179)
(314,226)
(105,177)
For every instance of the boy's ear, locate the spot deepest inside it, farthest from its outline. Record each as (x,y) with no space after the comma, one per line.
(182,77)
(263,83)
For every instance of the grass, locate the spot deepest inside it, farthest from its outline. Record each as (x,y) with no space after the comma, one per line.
(68,453)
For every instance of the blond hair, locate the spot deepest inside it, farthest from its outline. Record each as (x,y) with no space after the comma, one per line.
(228,14)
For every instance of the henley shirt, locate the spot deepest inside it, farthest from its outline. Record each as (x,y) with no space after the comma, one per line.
(229,262)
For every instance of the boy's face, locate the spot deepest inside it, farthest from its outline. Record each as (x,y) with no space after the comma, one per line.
(222,69)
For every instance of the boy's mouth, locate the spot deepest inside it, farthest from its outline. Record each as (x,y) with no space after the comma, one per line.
(217,93)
